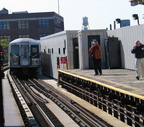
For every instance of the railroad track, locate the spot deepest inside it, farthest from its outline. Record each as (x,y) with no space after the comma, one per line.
(32,89)
(78,113)
(32,106)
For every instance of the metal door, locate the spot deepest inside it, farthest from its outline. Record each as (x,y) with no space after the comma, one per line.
(24,58)
(75,53)
(114,53)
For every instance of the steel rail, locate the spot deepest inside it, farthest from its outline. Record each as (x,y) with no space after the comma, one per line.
(33,96)
(28,117)
(55,96)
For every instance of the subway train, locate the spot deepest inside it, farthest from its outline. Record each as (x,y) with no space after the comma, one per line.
(24,56)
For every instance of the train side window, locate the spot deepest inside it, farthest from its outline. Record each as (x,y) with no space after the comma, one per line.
(59,50)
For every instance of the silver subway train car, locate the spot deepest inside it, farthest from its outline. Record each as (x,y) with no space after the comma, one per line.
(24,56)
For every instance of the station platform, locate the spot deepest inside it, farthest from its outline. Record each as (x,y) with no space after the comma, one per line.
(116,91)
(12,115)
(121,79)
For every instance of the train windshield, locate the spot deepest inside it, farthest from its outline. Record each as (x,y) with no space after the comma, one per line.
(15,50)
(35,51)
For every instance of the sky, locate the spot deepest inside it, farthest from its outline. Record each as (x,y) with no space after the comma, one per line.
(100,13)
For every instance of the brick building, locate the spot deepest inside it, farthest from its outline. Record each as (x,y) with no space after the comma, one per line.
(32,25)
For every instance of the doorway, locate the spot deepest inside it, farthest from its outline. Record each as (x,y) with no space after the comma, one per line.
(75,53)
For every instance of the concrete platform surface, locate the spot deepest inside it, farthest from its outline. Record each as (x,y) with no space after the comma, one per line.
(12,115)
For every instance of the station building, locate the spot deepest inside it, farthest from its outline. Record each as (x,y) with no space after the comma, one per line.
(69,50)
(31,25)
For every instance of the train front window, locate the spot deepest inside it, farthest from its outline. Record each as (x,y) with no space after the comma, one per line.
(15,50)
(35,51)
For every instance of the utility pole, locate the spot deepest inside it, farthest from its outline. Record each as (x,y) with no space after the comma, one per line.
(1,90)
(58,8)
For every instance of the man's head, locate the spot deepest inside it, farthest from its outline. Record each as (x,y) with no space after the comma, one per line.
(94,42)
(138,43)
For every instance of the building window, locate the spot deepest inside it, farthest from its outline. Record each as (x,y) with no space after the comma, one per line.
(23,24)
(58,23)
(5,39)
(4,25)
(42,35)
(43,23)
(23,36)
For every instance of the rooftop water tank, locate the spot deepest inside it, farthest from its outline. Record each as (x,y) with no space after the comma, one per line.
(85,21)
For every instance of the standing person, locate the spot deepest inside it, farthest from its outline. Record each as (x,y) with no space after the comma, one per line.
(138,50)
(95,53)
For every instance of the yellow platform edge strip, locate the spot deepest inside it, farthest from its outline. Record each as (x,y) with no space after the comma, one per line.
(105,85)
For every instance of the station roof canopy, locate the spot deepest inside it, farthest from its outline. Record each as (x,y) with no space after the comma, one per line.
(136,2)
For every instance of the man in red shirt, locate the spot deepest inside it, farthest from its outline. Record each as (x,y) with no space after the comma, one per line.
(95,54)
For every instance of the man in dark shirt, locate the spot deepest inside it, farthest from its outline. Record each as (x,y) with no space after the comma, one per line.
(138,50)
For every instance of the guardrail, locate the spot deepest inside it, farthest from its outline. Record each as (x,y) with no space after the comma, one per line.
(126,106)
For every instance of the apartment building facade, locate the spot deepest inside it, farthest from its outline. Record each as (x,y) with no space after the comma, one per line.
(32,25)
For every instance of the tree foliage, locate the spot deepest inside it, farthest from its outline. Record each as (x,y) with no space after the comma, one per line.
(4,44)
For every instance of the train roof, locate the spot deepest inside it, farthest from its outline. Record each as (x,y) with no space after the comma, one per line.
(19,40)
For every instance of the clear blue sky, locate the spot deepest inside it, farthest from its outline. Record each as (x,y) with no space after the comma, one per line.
(100,13)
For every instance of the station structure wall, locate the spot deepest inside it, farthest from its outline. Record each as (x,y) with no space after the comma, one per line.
(61,45)
(128,36)
(57,45)
(53,45)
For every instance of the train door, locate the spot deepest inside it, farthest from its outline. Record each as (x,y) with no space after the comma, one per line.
(75,53)
(90,39)
(24,59)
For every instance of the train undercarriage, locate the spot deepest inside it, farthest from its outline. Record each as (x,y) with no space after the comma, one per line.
(30,72)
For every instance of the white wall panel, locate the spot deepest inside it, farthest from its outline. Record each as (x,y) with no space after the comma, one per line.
(128,36)
(55,42)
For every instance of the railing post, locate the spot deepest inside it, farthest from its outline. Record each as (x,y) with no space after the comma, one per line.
(1,101)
